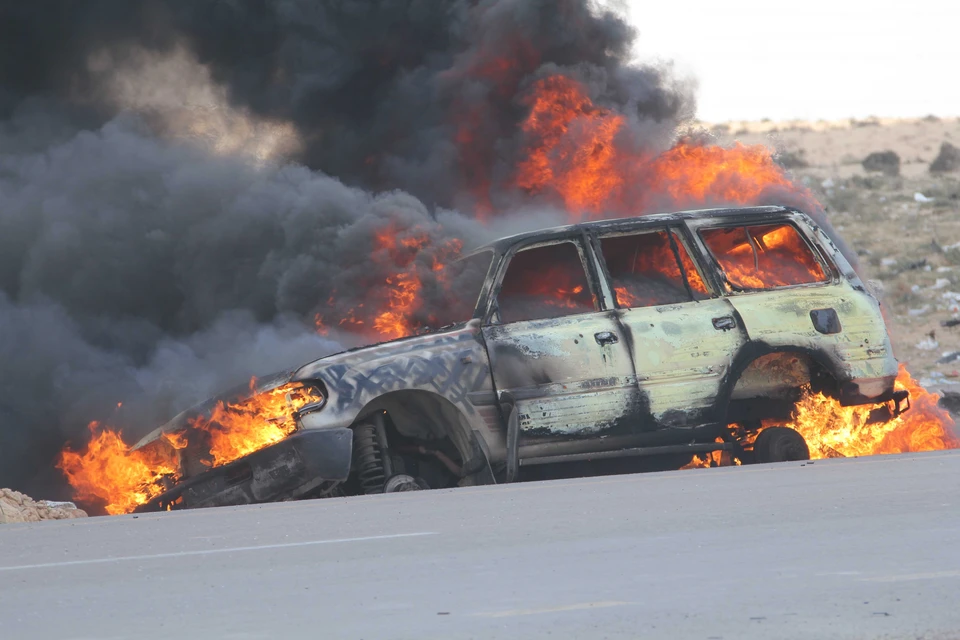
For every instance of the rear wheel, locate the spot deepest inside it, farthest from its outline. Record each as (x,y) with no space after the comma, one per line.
(780,444)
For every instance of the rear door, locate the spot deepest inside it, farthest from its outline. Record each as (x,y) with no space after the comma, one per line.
(682,334)
(782,287)
(553,352)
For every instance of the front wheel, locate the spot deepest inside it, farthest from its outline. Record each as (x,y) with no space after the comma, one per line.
(780,444)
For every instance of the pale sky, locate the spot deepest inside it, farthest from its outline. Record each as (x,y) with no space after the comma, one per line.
(808,59)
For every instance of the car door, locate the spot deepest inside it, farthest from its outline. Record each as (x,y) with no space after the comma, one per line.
(556,357)
(682,334)
(788,294)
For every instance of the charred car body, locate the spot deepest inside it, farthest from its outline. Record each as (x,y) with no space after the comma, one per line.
(620,339)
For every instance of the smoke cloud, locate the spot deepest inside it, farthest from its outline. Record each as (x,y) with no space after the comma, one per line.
(187,188)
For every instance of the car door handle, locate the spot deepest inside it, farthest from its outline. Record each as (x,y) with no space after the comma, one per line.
(606,337)
(724,323)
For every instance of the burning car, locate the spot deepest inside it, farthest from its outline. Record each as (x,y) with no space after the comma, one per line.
(669,335)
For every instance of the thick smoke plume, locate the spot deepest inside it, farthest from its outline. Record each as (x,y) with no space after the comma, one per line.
(192,193)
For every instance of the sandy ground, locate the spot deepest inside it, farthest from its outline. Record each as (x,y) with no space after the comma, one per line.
(907,244)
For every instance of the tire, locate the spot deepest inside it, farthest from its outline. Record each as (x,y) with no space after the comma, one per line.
(780,444)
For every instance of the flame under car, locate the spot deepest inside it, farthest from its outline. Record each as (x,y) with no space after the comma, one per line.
(622,344)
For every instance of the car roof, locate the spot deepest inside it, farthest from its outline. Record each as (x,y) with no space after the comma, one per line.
(612,224)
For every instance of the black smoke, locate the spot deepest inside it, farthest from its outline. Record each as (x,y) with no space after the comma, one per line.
(143,263)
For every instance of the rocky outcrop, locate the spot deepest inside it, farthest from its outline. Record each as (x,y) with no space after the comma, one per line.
(886,162)
(947,160)
(17,507)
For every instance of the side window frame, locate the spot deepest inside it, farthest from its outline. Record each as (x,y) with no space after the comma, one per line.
(483,297)
(673,230)
(726,287)
(492,312)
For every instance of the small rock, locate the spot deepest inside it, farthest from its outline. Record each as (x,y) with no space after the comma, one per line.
(947,160)
(886,162)
(919,197)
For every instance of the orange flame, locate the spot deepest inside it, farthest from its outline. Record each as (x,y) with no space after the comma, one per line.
(397,299)
(703,173)
(240,428)
(395,321)
(573,149)
(108,471)
(764,256)
(834,431)
(580,152)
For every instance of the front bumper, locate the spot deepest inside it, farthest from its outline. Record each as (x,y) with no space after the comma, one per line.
(289,469)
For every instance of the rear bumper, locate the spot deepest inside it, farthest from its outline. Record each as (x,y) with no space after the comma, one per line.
(289,469)
(873,391)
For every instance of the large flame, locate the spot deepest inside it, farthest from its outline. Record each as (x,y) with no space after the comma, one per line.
(586,156)
(573,151)
(239,428)
(834,431)
(763,256)
(107,471)
(395,305)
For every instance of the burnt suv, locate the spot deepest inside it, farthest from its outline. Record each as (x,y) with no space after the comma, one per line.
(634,339)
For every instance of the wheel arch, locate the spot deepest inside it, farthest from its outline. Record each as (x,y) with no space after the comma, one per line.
(791,366)
(422,414)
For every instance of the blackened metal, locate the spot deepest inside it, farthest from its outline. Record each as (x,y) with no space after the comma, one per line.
(604,338)
(753,245)
(513,438)
(380,425)
(634,452)
(724,323)
(826,321)
(676,256)
(368,459)
(310,408)
(289,469)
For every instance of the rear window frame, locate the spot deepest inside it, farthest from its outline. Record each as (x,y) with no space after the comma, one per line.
(728,288)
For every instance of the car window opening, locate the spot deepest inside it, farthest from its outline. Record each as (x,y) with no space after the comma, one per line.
(545,282)
(651,268)
(763,256)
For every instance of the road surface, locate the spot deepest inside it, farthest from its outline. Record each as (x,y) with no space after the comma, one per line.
(865,548)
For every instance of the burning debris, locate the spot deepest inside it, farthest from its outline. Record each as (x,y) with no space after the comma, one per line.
(834,431)
(109,471)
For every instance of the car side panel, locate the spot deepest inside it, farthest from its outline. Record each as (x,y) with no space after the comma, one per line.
(452,365)
(563,382)
(860,351)
(682,359)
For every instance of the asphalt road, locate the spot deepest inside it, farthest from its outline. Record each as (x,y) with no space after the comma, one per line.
(866,548)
